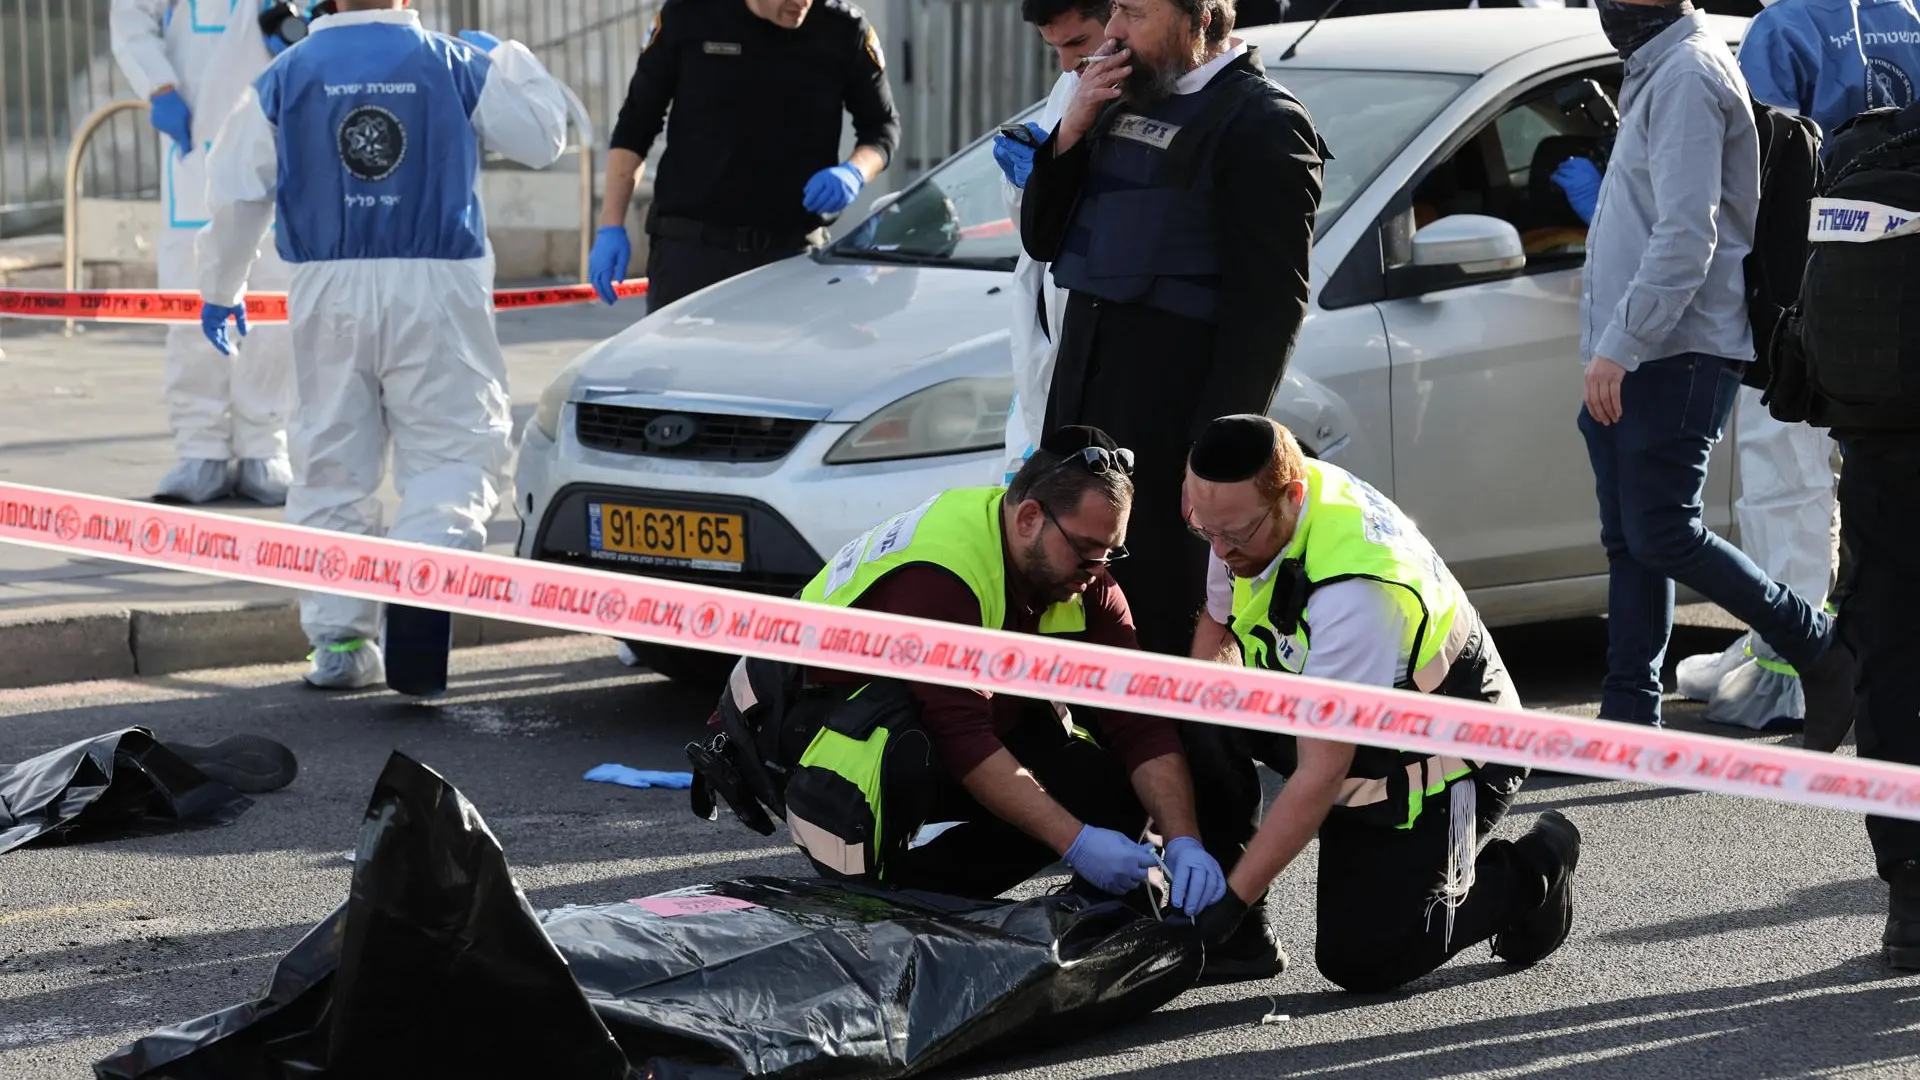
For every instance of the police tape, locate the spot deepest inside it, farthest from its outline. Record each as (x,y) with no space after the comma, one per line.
(711,618)
(180,306)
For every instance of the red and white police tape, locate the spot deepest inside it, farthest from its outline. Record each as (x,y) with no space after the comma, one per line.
(723,620)
(178,306)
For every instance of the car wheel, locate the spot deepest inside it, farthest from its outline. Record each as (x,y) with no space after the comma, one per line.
(690,667)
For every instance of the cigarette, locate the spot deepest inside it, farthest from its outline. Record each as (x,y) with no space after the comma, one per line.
(1093,58)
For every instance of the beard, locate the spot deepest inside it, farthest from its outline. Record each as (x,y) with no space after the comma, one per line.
(1151,82)
(1047,579)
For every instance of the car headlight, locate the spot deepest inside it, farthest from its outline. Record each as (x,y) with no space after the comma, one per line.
(553,400)
(954,417)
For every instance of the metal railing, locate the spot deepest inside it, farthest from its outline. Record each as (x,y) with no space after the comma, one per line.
(57,71)
(964,66)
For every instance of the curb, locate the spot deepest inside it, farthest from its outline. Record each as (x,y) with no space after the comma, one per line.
(82,642)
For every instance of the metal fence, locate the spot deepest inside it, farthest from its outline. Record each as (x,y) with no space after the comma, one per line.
(965,66)
(56,67)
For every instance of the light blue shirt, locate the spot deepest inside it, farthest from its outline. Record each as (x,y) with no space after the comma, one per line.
(1675,217)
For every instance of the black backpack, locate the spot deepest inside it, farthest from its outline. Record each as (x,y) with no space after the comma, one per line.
(1790,174)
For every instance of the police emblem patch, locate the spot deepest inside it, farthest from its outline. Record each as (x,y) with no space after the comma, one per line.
(1887,85)
(873,50)
(372,142)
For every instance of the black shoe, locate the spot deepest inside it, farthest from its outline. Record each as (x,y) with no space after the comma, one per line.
(1248,953)
(1552,849)
(1901,942)
(1829,688)
(246,763)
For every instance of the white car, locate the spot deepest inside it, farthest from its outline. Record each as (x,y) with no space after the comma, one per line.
(740,435)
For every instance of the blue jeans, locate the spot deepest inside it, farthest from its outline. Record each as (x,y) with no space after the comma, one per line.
(1650,472)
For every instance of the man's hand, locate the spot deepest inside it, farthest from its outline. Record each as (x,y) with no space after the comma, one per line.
(168,113)
(213,323)
(1016,158)
(1603,390)
(832,190)
(1198,881)
(1099,84)
(607,262)
(1579,177)
(1113,863)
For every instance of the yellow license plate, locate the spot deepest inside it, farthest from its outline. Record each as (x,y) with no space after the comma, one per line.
(667,537)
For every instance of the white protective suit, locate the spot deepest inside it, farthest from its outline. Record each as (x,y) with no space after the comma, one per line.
(379,127)
(221,408)
(1033,348)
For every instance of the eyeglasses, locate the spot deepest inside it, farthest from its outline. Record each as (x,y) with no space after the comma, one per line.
(1237,538)
(1099,459)
(1080,544)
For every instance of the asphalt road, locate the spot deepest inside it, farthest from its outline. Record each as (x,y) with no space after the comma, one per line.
(1715,937)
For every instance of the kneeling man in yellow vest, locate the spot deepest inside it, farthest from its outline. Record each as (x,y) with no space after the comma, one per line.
(1315,572)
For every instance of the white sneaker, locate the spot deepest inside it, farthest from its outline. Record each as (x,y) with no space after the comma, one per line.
(264,480)
(194,481)
(347,665)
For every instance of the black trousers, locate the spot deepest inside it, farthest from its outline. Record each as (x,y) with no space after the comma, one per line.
(1880,517)
(1132,372)
(984,856)
(1378,924)
(677,268)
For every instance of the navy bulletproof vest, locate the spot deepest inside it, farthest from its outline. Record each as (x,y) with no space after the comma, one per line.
(1145,229)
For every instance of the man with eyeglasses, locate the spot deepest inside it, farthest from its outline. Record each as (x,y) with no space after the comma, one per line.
(1316,573)
(956,790)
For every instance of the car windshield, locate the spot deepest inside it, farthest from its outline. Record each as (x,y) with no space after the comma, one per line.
(956,215)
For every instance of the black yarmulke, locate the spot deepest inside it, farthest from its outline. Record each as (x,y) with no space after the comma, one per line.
(1233,448)
(1073,438)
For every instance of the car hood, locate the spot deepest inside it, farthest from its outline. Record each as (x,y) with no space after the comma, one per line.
(806,337)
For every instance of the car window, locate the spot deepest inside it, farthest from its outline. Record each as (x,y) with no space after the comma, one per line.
(956,214)
(1505,170)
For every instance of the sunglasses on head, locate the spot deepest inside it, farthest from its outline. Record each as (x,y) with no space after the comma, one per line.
(1099,459)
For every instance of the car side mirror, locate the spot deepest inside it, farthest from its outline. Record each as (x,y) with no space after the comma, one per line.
(1472,246)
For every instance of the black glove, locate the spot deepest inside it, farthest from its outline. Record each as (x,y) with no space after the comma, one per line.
(1218,922)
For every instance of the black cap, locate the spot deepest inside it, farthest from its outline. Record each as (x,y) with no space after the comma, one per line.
(1071,439)
(1234,448)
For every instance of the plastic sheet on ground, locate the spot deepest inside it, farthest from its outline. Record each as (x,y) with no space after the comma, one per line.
(436,965)
(124,783)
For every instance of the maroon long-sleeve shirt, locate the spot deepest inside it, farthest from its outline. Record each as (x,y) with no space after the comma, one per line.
(967,725)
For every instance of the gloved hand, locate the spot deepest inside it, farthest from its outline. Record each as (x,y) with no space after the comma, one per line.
(1579,177)
(170,116)
(1015,158)
(1218,922)
(213,323)
(607,263)
(1198,881)
(1113,863)
(638,778)
(833,190)
(480,39)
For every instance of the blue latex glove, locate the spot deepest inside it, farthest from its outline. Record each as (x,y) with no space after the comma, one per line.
(1113,863)
(833,190)
(1016,159)
(170,116)
(1198,881)
(607,263)
(639,778)
(1580,178)
(480,39)
(213,323)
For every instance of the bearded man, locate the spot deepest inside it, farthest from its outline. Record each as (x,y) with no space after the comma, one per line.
(1175,201)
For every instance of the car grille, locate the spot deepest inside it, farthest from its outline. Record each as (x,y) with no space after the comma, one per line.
(621,429)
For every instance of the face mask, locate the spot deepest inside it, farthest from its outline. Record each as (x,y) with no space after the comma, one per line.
(1629,26)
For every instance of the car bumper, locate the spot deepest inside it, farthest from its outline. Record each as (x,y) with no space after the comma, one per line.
(797,510)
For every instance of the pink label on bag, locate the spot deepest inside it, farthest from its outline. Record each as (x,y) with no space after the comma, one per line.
(669,906)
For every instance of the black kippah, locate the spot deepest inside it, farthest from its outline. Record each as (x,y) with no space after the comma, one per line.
(1233,448)
(1073,438)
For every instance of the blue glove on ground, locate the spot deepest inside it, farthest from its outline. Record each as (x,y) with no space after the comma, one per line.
(639,778)
(607,263)
(213,323)
(833,190)
(480,39)
(1198,882)
(169,115)
(1014,158)
(1113,863)
(1580,178)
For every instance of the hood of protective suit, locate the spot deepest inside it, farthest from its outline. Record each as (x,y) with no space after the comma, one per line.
(837,339)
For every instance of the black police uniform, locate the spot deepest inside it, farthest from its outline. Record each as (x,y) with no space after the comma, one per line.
(1860,335)
(756,112)
(1182,232)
